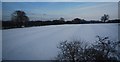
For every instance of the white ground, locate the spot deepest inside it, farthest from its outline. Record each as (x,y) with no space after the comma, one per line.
(0,45)
(40,43)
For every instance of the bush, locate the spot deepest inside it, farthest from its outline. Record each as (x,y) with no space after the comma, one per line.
(78,51)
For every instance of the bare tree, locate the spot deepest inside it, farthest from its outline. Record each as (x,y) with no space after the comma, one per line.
(70,51)
(77,51)
(19,18)
(108,47)
(62,19)
(105,18)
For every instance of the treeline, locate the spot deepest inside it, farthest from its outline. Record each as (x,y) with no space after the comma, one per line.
(20,19)
(12,24)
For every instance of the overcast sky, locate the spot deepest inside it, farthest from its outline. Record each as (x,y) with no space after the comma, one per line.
(68,10)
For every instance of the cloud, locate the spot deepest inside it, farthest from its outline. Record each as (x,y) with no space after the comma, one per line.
(52,11)
(95,11)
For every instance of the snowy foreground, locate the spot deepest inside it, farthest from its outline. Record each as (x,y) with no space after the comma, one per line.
(40,43)
(0,45)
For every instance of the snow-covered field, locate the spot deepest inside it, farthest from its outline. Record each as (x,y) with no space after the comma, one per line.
(40,43)
(0,45)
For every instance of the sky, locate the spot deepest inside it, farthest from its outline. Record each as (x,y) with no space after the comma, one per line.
(56,10)
(0,11)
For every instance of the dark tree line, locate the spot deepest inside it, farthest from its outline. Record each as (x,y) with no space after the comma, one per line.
(104,50)
(20,19)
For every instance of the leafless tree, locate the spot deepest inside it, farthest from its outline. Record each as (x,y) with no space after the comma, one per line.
(108,47)
(19,18)
(78,51)
(105,18)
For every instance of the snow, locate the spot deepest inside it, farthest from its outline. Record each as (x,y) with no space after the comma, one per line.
(119,34)
(0,45)
(40,43)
